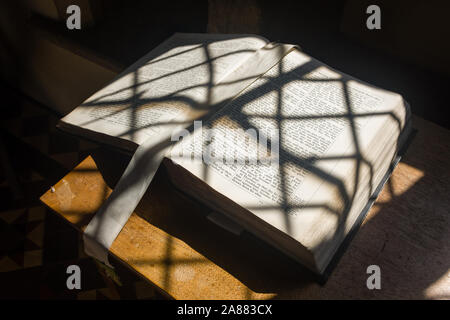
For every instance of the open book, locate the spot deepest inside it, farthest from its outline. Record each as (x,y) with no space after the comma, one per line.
(274,141)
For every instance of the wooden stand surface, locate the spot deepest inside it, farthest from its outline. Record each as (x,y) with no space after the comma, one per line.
(169,242)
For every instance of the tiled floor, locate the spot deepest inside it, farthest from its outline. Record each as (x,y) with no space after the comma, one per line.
(36,246)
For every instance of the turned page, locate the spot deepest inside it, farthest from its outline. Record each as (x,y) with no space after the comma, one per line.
(153,95)
(287,147)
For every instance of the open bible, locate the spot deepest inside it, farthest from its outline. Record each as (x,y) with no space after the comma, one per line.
(273,141)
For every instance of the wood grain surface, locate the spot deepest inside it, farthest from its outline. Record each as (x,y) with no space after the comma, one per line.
(169,242)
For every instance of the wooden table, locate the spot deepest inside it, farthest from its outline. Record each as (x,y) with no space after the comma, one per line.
(169,242)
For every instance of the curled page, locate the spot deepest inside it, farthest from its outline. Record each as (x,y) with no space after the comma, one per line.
(103,229)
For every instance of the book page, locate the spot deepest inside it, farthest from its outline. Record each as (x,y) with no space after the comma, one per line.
(151,96)
(287,147)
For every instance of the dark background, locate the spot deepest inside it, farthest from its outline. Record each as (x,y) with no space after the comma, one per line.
(409,55)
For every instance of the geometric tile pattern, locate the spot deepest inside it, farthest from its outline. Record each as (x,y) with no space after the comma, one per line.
(36,245)
(36,126)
